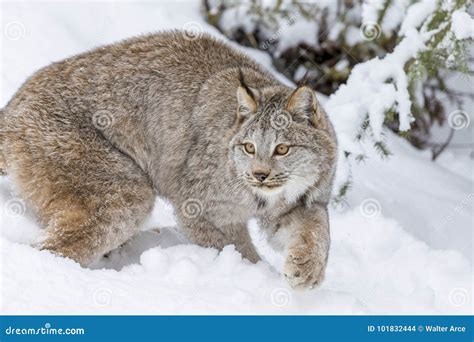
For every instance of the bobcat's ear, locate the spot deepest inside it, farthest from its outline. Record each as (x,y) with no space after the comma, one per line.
(246,98)
(303,102)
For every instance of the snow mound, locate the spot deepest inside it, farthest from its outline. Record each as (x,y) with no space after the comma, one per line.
(375,267)
(462,25)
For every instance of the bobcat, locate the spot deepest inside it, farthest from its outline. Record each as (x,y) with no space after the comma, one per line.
(91,140)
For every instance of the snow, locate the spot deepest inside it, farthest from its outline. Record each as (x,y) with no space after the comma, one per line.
(457,164)
(290,31)
(299,31)
(430,201)
(462,25)
(375,267)
(395,15)
(401,242)
(373,88)
(236,16)
(417,14)
(371,10)
(369,92)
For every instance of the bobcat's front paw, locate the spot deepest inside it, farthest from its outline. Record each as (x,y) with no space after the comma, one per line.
(304,268)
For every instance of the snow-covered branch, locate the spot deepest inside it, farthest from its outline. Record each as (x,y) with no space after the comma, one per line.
(381,85)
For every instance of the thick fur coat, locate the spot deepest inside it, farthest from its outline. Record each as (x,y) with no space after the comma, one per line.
(91,140)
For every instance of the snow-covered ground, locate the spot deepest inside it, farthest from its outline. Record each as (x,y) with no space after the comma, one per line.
(401,244)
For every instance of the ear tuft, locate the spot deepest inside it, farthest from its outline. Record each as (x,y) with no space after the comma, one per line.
(303,102)
(246,99)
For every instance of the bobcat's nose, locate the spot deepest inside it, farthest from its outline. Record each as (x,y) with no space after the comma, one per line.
(261,175)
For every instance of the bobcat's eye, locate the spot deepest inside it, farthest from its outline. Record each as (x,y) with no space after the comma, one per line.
(282,149)
(249,148)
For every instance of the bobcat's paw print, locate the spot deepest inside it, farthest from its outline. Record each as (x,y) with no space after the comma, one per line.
(303,267)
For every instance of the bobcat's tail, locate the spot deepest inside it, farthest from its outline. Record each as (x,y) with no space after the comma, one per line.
(3,170)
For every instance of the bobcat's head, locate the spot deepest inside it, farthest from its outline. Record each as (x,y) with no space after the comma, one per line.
(284,141)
